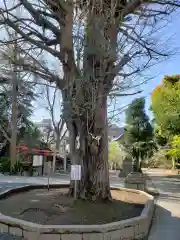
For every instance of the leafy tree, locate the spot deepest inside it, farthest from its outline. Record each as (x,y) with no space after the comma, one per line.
(166,108)
(18,92)
(116,155)
(98,44)
(30,135)
(160,159)
(174,153)
(26,94)
(139,132)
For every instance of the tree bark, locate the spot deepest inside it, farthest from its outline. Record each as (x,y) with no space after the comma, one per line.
(85,101)
(13,150)
(92,155)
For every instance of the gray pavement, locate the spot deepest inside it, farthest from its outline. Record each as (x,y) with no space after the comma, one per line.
(166,223)
(8,182)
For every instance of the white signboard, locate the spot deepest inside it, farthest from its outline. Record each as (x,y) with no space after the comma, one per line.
(37,161)
(75,172)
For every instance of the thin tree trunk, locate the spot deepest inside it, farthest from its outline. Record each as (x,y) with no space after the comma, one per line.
(173,163)
(13,156)
(57,148)
(13,152)
(111,166)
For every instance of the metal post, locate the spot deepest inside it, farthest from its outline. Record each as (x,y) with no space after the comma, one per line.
(48,182)
(75,189)
(65,162)
(49,170)
(54,160)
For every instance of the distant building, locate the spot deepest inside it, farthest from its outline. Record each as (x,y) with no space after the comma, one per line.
(115,133)
(49,136)
(64,145)
(45,123)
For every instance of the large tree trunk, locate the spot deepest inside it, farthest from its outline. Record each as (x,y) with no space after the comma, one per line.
(85,98)
(92,155)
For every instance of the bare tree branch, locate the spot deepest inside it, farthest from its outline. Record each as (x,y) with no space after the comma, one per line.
(125,94)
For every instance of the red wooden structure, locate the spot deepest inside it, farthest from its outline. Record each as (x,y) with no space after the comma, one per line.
(25,150)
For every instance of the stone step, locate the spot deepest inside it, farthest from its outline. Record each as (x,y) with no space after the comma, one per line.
(6,236)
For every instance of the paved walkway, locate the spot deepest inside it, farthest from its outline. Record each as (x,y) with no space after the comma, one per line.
(166,223)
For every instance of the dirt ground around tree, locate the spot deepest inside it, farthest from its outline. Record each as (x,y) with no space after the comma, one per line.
(55,207)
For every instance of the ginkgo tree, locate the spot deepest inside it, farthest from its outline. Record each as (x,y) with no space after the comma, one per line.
(98,44)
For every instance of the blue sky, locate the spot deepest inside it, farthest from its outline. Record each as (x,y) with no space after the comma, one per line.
(168,67)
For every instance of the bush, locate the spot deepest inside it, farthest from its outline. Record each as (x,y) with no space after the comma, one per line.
(160,160)
(17,168)
(5,165)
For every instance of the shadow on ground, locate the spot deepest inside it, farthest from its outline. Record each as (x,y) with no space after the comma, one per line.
(164,225)
(174,176)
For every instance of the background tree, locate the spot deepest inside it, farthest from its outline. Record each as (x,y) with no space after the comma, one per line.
(165,106)
(54,100)
(160,159)
(98,44)
(159,137)
(174,152)
(48,134)
(116,155)
(25,95)
(29,135)
(138,132)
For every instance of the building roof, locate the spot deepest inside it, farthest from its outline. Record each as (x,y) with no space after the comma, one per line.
(44,123)
(44,151)
(115,132)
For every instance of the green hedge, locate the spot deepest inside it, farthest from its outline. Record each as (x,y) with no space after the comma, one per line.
(5,166)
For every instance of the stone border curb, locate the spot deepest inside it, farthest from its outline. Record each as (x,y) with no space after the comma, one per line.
(130,229)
